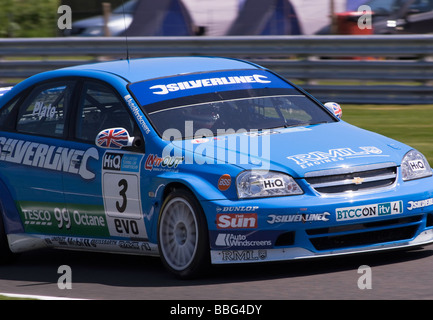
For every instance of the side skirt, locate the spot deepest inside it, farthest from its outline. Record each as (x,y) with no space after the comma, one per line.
(28,242)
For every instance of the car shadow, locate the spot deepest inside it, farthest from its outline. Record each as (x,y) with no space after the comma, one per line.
(41,267)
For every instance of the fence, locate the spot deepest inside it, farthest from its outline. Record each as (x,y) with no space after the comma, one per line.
(346,69)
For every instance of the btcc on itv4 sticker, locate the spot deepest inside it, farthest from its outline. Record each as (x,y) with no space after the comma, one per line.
(369,211)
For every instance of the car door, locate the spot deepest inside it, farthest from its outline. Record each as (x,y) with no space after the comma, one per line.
(34,154)
(107,203)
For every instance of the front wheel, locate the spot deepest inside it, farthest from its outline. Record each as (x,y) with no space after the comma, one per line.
(183,235)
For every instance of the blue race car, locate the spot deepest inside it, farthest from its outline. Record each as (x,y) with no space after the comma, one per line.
(200,161)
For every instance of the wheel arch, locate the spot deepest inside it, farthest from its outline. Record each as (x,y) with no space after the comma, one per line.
(9,211)
(173,186)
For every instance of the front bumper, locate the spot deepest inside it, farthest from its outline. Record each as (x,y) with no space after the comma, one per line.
(296,253)
(309,226)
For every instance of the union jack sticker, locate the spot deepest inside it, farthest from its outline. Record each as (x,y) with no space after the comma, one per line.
(116,138)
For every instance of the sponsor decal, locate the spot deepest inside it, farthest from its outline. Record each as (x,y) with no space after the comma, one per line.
(261,133)
(39,217)
(112,161)
(240,240)
(244,255)
(273,183)
(101,244)
(237,221)
(320,157)
(417,165)
(420,204)
(369,211)
(163,89)
(48,157)
(156,90)
(289,218)
(121,162)
(237,209)
(224,182)
(122,196)
(153,162)
(137,113)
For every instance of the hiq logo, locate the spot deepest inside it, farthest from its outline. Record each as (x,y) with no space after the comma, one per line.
(273,184)
(112,161)
(417,165)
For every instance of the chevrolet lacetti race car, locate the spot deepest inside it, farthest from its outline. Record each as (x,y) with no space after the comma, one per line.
(199,160)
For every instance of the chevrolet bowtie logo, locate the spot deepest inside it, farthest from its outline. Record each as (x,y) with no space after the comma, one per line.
(358,180)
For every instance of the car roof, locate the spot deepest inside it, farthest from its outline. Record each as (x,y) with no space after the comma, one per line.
(151,68)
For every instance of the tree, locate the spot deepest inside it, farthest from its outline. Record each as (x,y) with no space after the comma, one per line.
(28,18)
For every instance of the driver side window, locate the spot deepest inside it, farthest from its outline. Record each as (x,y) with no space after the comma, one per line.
(44,112)
(100,108)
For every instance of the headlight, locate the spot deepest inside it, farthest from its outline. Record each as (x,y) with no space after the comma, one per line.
(415,166)
(259,184)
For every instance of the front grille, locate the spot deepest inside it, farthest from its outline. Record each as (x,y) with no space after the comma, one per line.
(364,233)
(362,178)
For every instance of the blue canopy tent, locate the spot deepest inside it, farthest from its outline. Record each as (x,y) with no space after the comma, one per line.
(161,18)
(272,17)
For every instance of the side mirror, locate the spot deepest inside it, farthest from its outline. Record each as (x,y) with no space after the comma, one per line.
(114,138)
(335,108)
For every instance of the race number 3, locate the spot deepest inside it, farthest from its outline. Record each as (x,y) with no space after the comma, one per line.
(124,184)
(122,195)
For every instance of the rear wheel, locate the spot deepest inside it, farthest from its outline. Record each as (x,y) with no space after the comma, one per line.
(183,235)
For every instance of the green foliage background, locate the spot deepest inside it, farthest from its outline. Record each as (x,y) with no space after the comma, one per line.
(29,18)
(410,124)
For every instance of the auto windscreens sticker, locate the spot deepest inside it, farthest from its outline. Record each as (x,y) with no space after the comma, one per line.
(152,91)
(48,157)
(136,112)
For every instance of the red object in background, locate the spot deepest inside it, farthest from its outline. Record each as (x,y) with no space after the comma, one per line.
(347,23)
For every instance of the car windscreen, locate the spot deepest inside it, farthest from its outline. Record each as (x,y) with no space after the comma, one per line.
(257,101)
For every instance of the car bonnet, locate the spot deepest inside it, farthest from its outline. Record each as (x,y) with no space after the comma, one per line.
(297,150)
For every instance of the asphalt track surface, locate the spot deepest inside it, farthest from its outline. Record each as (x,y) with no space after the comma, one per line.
(394,275)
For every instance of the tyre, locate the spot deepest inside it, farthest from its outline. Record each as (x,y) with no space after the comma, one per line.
(183,238)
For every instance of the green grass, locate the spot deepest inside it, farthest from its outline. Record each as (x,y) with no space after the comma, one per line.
(10,298)
(410,124)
